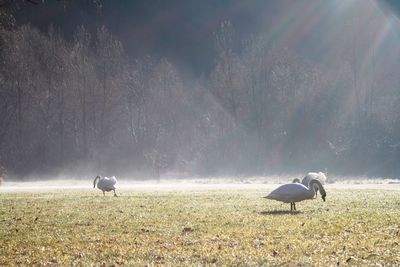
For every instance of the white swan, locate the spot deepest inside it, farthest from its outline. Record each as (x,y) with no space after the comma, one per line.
(105,184)
(296,192)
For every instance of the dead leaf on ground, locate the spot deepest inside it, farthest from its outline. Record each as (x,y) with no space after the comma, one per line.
(187,230)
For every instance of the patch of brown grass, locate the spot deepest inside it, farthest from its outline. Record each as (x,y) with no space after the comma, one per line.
(231,227)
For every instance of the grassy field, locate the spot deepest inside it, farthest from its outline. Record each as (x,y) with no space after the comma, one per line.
(199,227)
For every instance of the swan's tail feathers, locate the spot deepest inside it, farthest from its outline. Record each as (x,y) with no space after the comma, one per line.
(268,196)
(322,177)
(113,179)
(95,180)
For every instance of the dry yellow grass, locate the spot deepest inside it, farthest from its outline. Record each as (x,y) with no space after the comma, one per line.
(215,227)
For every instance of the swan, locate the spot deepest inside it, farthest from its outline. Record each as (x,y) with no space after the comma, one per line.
(105,184)
(296,192)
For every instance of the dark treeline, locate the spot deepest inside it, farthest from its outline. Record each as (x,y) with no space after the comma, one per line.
(78,106)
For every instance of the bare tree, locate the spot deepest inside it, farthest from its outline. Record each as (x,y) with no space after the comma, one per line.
(108,55)
(82,71)
(226,78)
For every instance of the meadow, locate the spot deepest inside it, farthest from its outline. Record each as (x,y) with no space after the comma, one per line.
(355,226)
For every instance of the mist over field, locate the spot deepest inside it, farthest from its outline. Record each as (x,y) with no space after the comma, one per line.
(183,89)
(199,133)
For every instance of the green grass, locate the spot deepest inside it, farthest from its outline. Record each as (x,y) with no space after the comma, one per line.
(232,227)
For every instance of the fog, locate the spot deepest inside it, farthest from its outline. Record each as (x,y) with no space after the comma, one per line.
(189,185)
(175,91)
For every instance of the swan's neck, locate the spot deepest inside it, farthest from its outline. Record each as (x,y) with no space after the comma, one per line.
(315,183)
(95,181)
(314,188)
(311,192)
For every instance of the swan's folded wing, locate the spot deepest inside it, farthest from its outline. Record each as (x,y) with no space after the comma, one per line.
(280,197)
(288,193)
(106,184)
(113,180)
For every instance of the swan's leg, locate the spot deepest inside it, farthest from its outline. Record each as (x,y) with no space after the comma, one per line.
(115,194)
(104,193)
(294,205)
(291,206)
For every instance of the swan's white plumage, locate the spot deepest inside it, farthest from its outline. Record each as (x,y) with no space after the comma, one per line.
(289,193)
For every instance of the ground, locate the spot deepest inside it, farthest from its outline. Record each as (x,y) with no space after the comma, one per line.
(199,225)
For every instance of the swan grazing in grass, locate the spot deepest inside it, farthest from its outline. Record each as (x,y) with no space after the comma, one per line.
(105,184)
(296,192)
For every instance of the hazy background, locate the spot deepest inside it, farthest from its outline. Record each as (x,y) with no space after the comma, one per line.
(153,88)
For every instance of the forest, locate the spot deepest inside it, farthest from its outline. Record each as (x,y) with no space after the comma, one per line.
(81,104)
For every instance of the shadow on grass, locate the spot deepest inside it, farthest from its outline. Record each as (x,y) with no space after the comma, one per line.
(279,212)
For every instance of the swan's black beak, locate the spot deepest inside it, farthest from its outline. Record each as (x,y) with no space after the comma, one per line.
(323,197)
